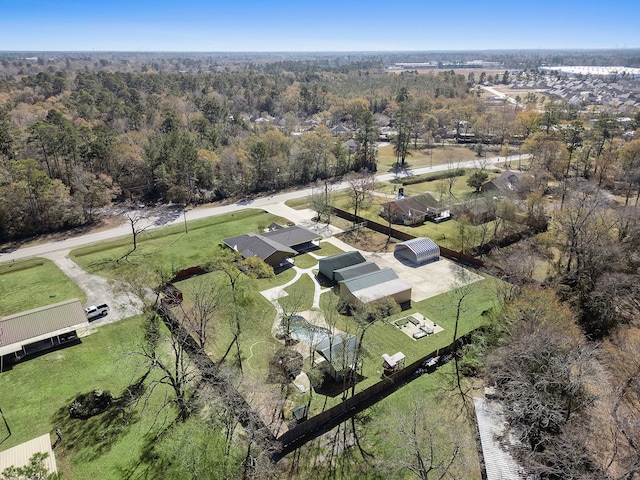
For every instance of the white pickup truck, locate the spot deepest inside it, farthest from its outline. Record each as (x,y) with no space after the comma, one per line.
(95,311)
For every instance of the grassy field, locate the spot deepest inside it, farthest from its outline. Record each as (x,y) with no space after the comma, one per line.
(441,407)
(34,283)
(169,249)
(383,337)
(439,155)
(35,396)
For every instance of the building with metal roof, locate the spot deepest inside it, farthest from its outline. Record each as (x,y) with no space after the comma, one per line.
(20,455)
(498,461)
(328,265)
(374,286)
(41,328)
(417,251)
(341,353)
(353,271)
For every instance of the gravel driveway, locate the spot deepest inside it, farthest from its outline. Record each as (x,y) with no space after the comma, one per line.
(98,290)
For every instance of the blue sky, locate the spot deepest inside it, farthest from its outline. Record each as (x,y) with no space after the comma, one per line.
(284,25)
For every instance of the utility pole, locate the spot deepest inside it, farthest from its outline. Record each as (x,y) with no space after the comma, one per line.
(184,212)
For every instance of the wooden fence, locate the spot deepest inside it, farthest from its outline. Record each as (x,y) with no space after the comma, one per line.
(323,422)
(403,236)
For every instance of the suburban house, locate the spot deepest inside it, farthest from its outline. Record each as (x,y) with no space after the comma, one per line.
(415,210)
(374,286)
(507,182)
(41,329)
(340,130)
(329,265)
(417,251)
(276,246)
(341,353)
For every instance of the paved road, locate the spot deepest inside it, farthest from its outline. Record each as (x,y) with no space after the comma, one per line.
(202,212)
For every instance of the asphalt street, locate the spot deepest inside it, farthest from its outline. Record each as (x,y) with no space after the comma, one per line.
(152,222)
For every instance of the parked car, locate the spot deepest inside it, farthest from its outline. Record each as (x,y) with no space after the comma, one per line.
(95,311)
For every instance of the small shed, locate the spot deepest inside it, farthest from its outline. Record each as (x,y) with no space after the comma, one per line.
(299,413)
(327,266)
(341,353)
(393,363)
(417,251)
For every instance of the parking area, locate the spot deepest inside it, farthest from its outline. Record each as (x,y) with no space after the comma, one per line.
(426,280)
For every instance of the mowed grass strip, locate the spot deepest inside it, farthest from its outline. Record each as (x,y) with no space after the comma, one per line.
(33,283)
(424,157)
(169,248)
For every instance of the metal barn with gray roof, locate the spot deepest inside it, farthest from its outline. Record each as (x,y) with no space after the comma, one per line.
(327,266)
(417,251)
(353,271)
(375,286)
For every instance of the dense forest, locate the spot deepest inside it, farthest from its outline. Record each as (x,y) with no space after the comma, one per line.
(79,132)
(73,142)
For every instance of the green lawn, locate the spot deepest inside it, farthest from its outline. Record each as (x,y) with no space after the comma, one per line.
(169,249)
(276,281)
(35,396)
(383,337)
(439,155)
(441,405)
(256,320)
(327,249)
(300,295)
(305,261)
(34,283)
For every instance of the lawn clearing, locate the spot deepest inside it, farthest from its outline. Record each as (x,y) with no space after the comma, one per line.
(440,404)
(33,283)
(35,396)
(169,249)
(424,157)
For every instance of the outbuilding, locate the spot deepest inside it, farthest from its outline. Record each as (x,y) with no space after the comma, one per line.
(417,251)
(328,266)
(41,329)
(353,271)
(374,286)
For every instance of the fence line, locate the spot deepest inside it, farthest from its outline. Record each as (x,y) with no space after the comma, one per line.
(403,236)
(325,421)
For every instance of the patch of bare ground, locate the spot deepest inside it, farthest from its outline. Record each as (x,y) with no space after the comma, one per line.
(368,240)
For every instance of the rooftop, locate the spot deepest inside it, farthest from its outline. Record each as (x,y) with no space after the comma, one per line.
(40,324)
